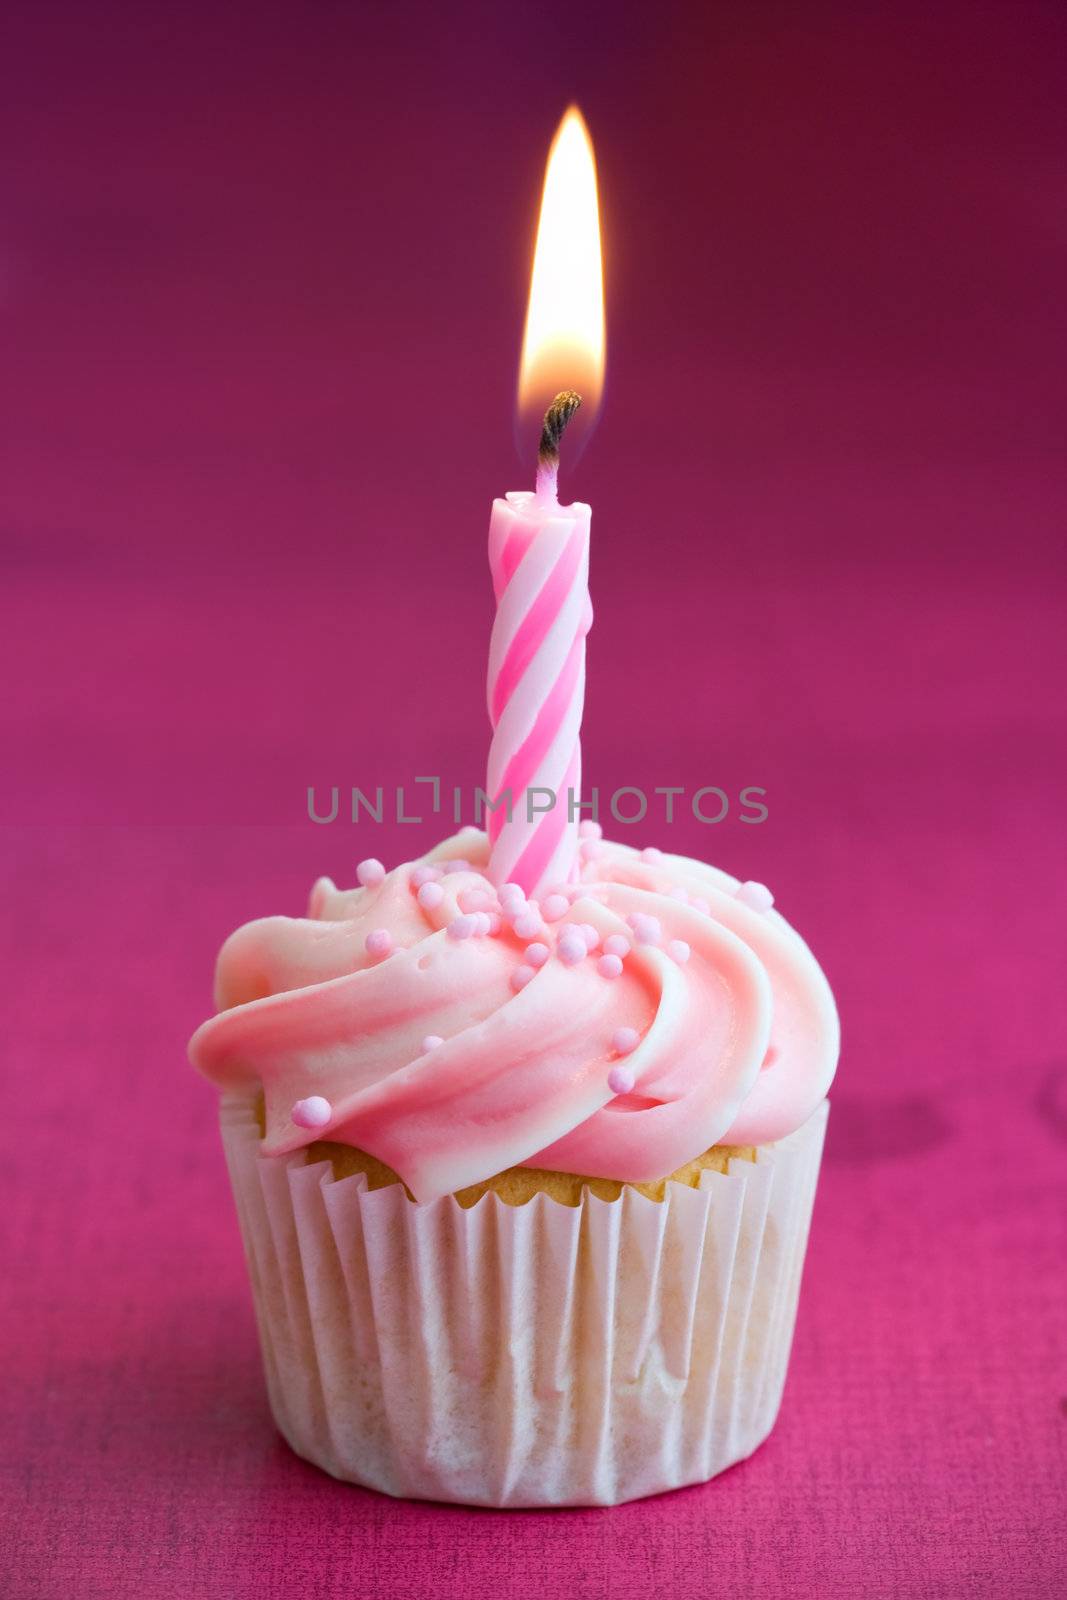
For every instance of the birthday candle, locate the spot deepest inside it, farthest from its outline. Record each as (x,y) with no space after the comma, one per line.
(539,559)
(539,550)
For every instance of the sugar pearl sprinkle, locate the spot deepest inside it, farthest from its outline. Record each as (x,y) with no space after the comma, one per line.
(623,1040)
(463,927)
(475,899)
(314,1112)
(431,1042)
(379,942)
(678,951)
(590,829)
(430,895)
(617,944)
(554,907)
(756,896)
(571,948)
(425,874)
(621,1079)
(536,954)
(651,854)
(647,930)
(589,934)
(370,873)
(610,966)
(528,922)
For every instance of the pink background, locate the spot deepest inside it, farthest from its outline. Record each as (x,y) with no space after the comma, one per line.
(262,273)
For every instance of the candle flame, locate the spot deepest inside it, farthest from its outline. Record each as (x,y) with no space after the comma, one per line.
(563,345)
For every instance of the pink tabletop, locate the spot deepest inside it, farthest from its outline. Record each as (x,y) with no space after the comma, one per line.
(262,280)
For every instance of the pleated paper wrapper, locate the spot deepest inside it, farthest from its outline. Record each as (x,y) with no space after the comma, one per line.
(533,1355)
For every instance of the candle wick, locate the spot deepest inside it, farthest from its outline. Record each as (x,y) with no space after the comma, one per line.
(557,417)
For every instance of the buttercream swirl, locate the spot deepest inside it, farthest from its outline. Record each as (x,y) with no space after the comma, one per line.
(737,1041)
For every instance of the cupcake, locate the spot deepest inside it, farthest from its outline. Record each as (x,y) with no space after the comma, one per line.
(524,1185)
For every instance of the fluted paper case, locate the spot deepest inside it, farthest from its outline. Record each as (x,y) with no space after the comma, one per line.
(537,1355)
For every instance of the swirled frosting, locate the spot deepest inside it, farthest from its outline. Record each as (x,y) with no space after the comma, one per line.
(436,1040)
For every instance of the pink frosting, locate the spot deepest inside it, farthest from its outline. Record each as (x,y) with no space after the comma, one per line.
(736,1030)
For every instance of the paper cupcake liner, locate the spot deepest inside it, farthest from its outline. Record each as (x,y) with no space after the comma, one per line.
(537,1355)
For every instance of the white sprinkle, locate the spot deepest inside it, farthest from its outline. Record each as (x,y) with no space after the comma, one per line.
(755,895)
(678,951)
(571,948)
(431,1041)
(370,872)
(430,896)
(314,1112)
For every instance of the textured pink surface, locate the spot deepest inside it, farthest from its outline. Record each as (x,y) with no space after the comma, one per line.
(235,327)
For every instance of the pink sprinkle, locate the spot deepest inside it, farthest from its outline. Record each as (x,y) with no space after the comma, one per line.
(528,923)
(370,872)
(379,942)
(623,1040)
(755,895)
(431,1041)
(647,929)
(459,865)
(536,954)
(423,875)
(483,924)
(463,927)
(616,944)
(571,948)
(589,934)
(475,899)
(621,1079)
(700,905)
(554,907)
(521,977)
(314,1112)
(651,854)
(430,896)
(678,951)
(512,891)
(610,966)
(590,829)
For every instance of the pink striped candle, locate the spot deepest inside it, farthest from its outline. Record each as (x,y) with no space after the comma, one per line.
(539,559)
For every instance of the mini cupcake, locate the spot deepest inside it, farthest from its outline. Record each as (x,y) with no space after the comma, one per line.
(524,1185)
